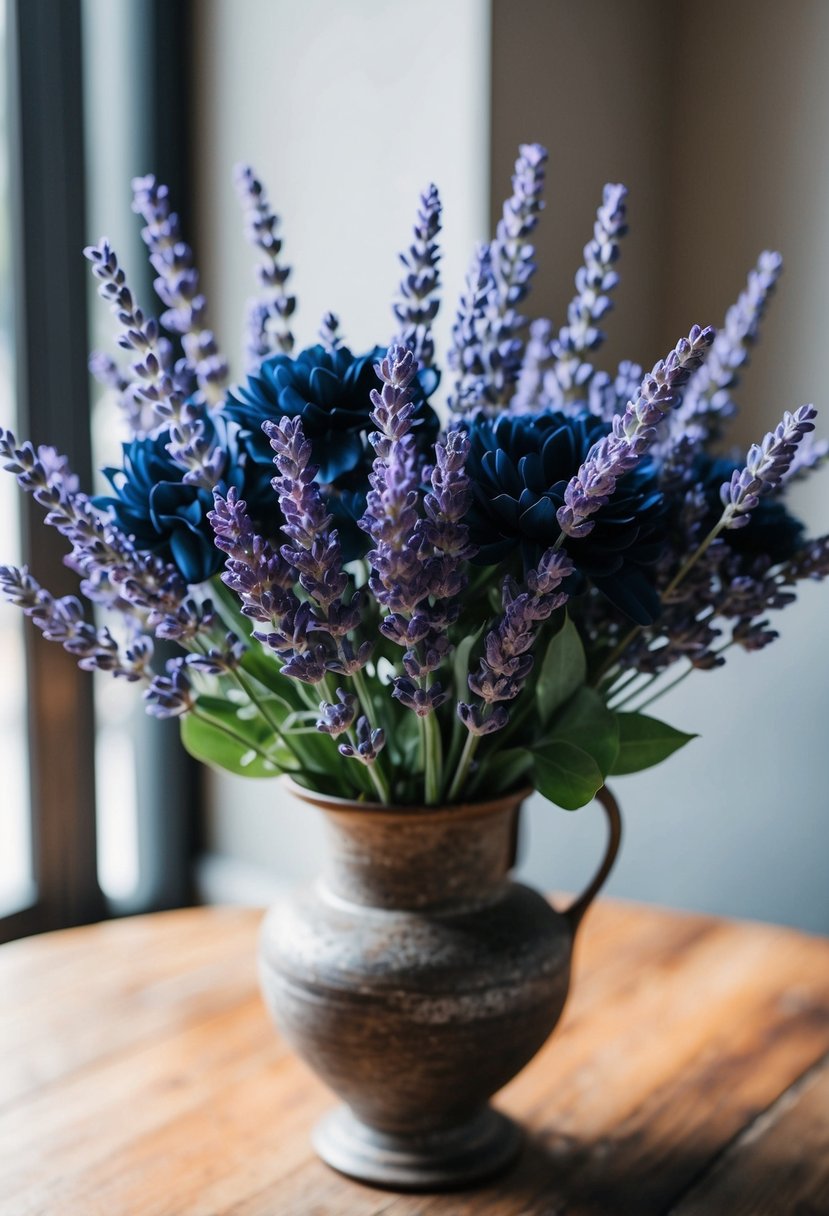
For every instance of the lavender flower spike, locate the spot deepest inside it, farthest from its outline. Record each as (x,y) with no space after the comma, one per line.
(474,356)
(594,280)
(513,265)
(62,620)
(708,398)
(632,434)
(766,466)
(507,660)
(269,318)
(177,285)
(418,304)
(189,444)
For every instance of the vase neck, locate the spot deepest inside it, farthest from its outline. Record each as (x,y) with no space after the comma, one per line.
(408,859)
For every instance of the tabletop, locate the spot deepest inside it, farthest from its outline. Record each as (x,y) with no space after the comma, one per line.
(140,1076)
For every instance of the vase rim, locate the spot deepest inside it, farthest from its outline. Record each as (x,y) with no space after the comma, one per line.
(460,810)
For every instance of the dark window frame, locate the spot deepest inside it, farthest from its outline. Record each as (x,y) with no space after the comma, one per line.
(50,293)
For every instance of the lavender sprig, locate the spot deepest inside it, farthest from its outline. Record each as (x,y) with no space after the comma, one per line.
(418,303)
(539,361)
(177,285)
(513,265)
(190,444)
(329,333)
(631,436)
(507,660)
(473,355)
(594,281)
(268,318)
(100,551)
(708,398)
(62,620)
(766,465)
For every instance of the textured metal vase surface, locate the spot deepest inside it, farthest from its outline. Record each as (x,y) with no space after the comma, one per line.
(416,978)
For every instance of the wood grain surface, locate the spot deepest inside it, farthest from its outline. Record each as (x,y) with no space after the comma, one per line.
(139,1076)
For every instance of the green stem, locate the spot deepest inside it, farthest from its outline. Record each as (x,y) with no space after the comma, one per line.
(632,694)
(696,555)
(619,650)
(667,688)
(272,722)
(469,749)
(248,744)
(433,759)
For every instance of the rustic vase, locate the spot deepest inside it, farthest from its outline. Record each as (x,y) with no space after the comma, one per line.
(416,978)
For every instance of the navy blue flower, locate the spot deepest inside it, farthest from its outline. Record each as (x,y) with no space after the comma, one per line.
(770,532)
(330,391)
(519,467)
(168,517)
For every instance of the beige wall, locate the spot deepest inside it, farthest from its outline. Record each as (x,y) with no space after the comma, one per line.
(715,118)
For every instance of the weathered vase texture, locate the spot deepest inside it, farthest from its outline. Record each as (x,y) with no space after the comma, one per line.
(416,979)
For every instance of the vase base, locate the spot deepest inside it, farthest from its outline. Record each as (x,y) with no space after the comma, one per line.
(438,1160)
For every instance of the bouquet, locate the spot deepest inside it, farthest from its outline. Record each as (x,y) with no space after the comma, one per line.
(416,586)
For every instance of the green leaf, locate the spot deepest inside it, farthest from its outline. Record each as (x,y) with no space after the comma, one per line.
(503,771)
(587,722)
(566,775)
(228,741)
(563,670)
(645,741)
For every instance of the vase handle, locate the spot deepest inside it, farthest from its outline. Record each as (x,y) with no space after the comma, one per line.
(579,906)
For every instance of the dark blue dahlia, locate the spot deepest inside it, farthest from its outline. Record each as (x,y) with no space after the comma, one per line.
(330,390)
(770,532)
(519,467)
(168,517)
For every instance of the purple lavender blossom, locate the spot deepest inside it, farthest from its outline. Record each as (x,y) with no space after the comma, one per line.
(513,265)
(418,302)
(62,620)
(335,720)
(190,444)
(170,696)
(474,356)
(632,434)
(766,465)
(219,660)
(101,553)
(258,574)
(414,558)
(708,397)
(507,661)
(177,286)
(269,318)
(329,333)
(539,361)
(594,281)
(368,743)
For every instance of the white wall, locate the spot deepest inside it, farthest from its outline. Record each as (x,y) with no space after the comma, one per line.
(718,127)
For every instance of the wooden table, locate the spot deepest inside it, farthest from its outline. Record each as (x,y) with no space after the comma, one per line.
(140,1076)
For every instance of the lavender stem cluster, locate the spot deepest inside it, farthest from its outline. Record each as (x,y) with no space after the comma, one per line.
(767,463)
(191,444)
(177,285)
(632,434)
(268,329)
(507,660)
(418,302)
